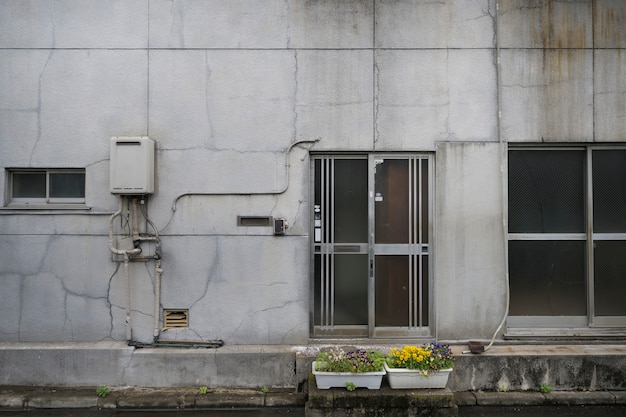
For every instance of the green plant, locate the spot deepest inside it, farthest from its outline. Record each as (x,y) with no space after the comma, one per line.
(265,389)
(203,389)
(502,388)
(350,386)
(358,361)
(545,388)
(430,357)
(103,391)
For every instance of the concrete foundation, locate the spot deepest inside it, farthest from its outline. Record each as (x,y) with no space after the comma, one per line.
(502,368)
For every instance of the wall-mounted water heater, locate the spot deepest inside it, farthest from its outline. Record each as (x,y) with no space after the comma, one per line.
(132,165)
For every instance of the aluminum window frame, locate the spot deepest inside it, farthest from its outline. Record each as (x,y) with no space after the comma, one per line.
(590,320)
(46,201)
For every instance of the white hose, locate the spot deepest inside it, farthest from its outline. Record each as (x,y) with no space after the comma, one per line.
(503,150)
(129,335)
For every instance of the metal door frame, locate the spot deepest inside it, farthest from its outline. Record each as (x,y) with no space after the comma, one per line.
(327,249)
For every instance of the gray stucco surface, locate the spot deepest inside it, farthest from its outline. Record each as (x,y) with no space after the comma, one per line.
(225,89)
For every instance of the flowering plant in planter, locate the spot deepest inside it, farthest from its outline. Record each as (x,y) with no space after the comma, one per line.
(355,361)
(430,357)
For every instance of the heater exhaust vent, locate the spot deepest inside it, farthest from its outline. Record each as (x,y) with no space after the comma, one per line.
(175,319)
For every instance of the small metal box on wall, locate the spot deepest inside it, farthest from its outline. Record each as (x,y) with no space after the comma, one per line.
(132,165)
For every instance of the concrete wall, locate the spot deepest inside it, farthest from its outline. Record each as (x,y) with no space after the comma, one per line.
(225,88)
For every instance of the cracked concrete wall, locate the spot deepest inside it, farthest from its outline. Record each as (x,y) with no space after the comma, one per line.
(224,88)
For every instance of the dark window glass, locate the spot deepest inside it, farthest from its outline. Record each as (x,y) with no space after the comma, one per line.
(610,278)
(29,185)
(547,278)
(350,286)
(546,191)
(609,191)
(67,185)
(350,208)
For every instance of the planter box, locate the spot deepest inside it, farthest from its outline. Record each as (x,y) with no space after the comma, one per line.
(326,380)
(402,378)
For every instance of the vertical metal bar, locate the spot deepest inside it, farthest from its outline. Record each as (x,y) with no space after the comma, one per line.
(429,205)
(331,239)
(591,307)
(419,241)
(411,226)
(371,240)
(325,216)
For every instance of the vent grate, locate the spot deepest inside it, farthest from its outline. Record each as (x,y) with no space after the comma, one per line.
(254,221)
(175,319)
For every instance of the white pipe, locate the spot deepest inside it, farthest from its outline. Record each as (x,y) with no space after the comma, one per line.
(127,277)
(503,173)
(126,253)
(503,176)
(157,296)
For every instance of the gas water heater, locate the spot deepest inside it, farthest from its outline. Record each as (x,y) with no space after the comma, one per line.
(132,165)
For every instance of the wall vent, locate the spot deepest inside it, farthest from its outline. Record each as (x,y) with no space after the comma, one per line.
(254,220)
(175,319)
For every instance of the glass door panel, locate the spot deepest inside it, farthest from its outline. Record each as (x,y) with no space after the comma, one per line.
(392,290)
(340,240)
(400,250)
(392,201)
(350,289)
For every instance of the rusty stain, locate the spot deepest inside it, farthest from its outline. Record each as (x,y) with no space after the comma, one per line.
(610,21)
(565,26)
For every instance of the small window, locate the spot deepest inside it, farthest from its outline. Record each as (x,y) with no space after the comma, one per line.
(37,188)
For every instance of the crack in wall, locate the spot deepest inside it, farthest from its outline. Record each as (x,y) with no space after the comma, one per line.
(39,107)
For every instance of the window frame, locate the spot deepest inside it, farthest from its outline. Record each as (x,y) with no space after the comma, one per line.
(47,201)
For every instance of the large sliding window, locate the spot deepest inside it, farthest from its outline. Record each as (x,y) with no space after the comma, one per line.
(567,237)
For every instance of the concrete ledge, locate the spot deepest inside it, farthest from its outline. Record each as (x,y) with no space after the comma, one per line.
(142,397)
(117,364)
(320,402)
(579,398)
(526,367)
(528,398)
(620,397)
(510,398)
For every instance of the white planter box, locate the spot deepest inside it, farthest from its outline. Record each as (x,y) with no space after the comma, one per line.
(326,380)
(402,378)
